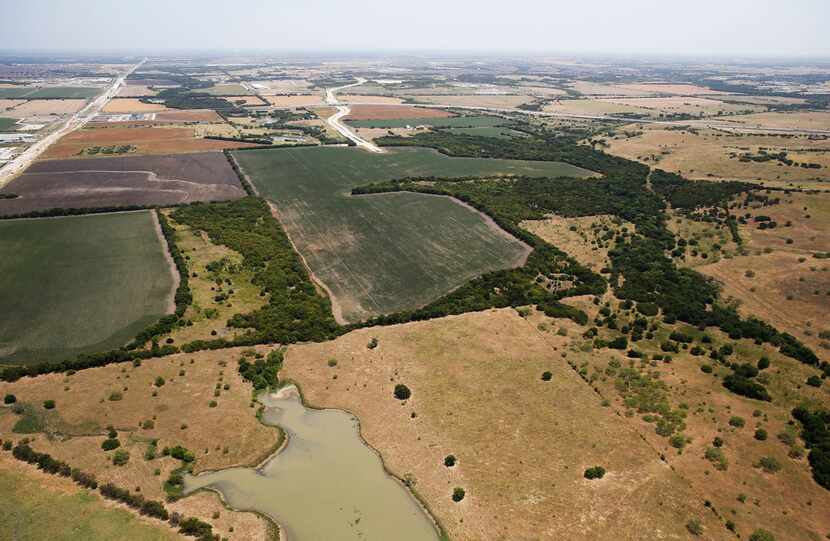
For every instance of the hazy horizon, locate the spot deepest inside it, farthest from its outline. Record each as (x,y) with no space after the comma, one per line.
(706,28)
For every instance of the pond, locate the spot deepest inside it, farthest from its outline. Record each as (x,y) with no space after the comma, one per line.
(325,483)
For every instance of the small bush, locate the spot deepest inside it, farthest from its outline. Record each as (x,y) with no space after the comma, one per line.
(769,464)
(596,472)
(9,399)
(115,396)
(706,368)
(717,458)
(49,404)
(763,363)
(159,381)
(694,527)
(120,457)
(402,392)
(761,535)
(449,461)
(373,343)
(110,443)
(332,363)
(814,381)
(547,376)
(737,422)
(761,434)
(458,494)
(212,404)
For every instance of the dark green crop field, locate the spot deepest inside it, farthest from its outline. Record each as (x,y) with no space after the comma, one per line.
(78,284)
(57,92)
(383,253)
(7,124)
(451,122)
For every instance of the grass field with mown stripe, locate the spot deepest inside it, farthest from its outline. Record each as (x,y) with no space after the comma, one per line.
(451,122)
(384,253)
(78,284)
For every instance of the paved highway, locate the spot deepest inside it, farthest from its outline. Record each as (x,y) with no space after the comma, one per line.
(343,110)
(78,120)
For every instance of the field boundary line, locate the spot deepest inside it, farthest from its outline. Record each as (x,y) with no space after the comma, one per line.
(174,272)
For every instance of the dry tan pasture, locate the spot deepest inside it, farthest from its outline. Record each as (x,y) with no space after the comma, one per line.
(686,105)
(368,99)
(801,120)
(132,105)
(593,107)
(246,100)
(708,154)
(282,86)
(522,443)
(577,236)
(132,91)
(643,89)
(387,112)
(296,101)
(7,105)
(47,107)
(220,437)
(496,101)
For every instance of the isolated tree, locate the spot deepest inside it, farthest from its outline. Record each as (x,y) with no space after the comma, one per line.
(402,392)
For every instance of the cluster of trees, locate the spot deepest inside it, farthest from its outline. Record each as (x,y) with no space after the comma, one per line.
(295,312)
(682,193)
(816,434)
(263,373)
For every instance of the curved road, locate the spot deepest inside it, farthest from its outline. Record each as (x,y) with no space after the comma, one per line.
(343,110)
(78,120)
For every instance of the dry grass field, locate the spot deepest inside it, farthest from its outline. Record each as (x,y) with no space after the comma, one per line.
(686,105)
(296,101)
(192,115)
(282,86)
(360,98)
(496,101)
(131,105)
(593,107)
(806,120)
(580,237)
(522,443)
(246,101)
(132,91)
(145,140)
(714,154)
(206,314)
(46,108)
(386,112)
(126,397)
(8,105)
(644,89)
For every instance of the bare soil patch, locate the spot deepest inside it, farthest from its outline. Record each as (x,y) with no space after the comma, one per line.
(47,108)
(134,180)
(381,112)
(145,140)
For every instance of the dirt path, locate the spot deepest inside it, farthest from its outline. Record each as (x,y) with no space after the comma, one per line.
(336,309)
(171,297)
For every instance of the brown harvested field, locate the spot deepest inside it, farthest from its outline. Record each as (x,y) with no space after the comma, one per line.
(370,134)
(205,313)
(296,101)
(47,107)
(686,105)
(223,436)
(8,105)
(643,89)
(544,91)
(122,181)
(714,154)
(246,100)
(522,444)
(390,112)
(362,98)
(189,115)
(496,101)
(801,120)
(132,105)
(593,107)
(282,86)
(581,238)
(132,91)
(146,140)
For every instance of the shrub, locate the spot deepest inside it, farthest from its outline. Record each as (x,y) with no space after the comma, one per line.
(120,457)
(718,442)
(694,527)
(763,363)
(717,458)
(373,343)
(449,461)
(706,368)
(149,424)
(49,404)
(212,404)
(596,472)
(737,422)
(159,381)
(678,441)
(814,381)
(746,387)
(332,363)
(547,376)
(621,342)
(761,535)
(9,399)
(402,392)
(761,434)
(115,396)
(458,494)
(769,464)
(110,443)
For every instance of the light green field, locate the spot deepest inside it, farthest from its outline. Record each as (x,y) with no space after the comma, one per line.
(225,90)
(63,92)
(384,253)
(78,284)
(7,124)
(29,512)
(451,122)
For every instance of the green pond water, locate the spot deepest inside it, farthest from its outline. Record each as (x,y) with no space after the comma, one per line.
(324,484)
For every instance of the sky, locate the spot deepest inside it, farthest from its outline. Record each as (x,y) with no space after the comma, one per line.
(664,27)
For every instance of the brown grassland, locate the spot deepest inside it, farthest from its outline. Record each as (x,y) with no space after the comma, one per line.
(611,89)
(382,112)
(714,154)
(361,98)
(194,115)
(46,108)
(522,443)
(146,140)
(132,91)
(296,101)
(496,101)
(580,237)
(801,120)
(246,100)
(222,436)
(132,105)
